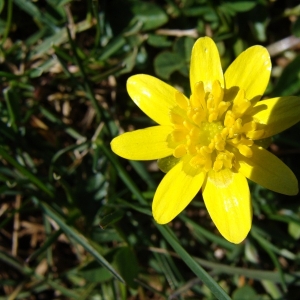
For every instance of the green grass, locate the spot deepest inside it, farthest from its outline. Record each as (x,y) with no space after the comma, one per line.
(75,219)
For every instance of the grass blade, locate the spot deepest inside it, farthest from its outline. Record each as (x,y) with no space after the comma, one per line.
(192,264)
(79,238)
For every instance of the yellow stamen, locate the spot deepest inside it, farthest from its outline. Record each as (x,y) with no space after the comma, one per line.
(255,135)
(178,135)
(207,126)
(179,151)
(218,92)
(200,95)
(245,150)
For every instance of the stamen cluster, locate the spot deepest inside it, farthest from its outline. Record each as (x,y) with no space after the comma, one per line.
(208,128)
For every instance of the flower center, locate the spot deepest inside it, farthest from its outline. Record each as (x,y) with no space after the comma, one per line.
(209,128)
(208,131)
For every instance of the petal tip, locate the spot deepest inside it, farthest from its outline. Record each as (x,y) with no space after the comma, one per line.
(237,241)
(113,144)
(160,217)
(237,237)
(295,190)
(237,234)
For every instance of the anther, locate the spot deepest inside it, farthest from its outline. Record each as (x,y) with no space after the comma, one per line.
(240,103)
(218,165)
(200,94)
(245,150)
(220,145)
(238,124)
(229,119)
(224,132)
(217,92)
(213,116)
(195,101)
(255,135)
(222,107)
(198,117)
(208,165)
(178,135)
(179,151)
(250,126)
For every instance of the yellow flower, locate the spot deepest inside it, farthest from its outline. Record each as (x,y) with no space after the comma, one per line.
(211,140)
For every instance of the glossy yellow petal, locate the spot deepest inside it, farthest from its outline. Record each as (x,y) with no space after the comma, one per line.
(268,170)
(227,198)
(250,71)
(278,114)
(154,97)
(177,189)
(205,63)
(143,144)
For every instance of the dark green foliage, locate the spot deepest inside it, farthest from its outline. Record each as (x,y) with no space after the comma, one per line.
(75,220)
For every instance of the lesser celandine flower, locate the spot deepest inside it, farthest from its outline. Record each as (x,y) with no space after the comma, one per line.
(212,139)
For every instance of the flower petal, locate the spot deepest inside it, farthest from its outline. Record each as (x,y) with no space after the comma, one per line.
(227,198)
(177,189)
(154,97)
(250,71)
(205,63)
(278,114)
(268,171)
(144,144)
